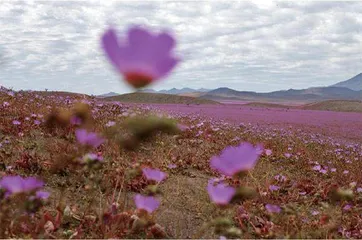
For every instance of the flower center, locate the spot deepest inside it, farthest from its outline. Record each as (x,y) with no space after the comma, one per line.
(138,80)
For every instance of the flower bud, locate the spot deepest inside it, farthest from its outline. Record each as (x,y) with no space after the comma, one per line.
(243,193)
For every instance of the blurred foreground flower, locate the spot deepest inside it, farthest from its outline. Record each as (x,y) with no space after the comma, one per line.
(273,208)
(154,174)
(149,204)
(88,138)
(220,194)
(17,184)
(142,57)
(236,159)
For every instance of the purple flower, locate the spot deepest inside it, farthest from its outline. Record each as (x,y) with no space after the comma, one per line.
(37,122)
(359,190)
(16,122)
(273,208)
(17,184)
(317,168)
(182,127)
(220,194)
(110,124)
(287,155)
(154,174)
(143,57)
(149,204)
(347,207)
(274,188)
(315,212)
(172,166)
(333,169)
(88,138)
(42,195)
(280,178)
(268,152)
(345,172)
(235,159)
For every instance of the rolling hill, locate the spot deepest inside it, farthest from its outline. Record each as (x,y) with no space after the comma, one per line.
(303,95)
(142,97)
(336,105)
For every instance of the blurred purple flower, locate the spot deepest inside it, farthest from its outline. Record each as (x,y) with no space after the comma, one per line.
(142,57)
(273,208)
(220,194)
(274,188)
(359,190)
(317,168)
(345,172)
(37,122)
(17,184)
(268,152)
(280,178)
(235,159)
(172,166)
(110,124)
(333,169)
(347,207)
(88,138)
(16,122)
(287,155)
(42,195)
(154,174)
(182,127)
(315,212)
(149,204)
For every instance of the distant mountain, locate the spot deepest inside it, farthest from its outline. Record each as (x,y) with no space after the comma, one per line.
(354,83)
(176,91)
(307,95)
(110,94)
(346,90)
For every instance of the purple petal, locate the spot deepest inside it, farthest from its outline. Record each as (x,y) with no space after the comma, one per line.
(154,174)
(274,188)
(220,194)
(32,183)
(111,47)
(164,66)
(235,159)
(273,208)
(149,204)
(13,184)
(17,184)
(42,195)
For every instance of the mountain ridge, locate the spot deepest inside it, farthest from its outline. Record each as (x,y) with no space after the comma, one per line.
(350,89)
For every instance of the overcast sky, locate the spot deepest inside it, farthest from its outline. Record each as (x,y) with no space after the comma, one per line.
(260,46)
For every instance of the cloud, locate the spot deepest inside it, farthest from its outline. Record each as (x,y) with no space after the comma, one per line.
(258,45)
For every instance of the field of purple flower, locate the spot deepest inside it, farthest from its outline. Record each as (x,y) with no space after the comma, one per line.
(77,167)
(339,125)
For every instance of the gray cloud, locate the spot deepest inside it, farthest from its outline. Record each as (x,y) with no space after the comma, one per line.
(243,45)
